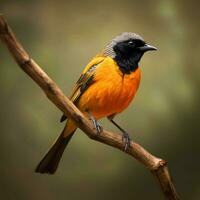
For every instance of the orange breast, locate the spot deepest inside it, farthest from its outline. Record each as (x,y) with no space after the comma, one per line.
(111,92)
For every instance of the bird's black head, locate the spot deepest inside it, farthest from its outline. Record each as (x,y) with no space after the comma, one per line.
(127,49)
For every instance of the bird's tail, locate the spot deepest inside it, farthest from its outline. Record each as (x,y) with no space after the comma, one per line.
(51,160)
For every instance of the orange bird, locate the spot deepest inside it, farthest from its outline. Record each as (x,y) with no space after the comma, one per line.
(106,87)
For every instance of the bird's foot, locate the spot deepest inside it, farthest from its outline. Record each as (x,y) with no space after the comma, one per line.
(97,125)
(126,140)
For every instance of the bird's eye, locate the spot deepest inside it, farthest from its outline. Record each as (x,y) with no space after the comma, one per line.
(131,43)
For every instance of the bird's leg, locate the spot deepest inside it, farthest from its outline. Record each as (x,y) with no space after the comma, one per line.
(96,124)
(125,137)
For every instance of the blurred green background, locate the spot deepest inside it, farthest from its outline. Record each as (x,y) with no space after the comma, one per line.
(62,36)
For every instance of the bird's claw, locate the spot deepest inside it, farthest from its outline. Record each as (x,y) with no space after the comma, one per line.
(127,140)
(97,125)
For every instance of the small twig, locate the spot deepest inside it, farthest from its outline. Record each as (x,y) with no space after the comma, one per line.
(157,166)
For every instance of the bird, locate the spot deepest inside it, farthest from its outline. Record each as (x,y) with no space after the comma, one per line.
(106,87)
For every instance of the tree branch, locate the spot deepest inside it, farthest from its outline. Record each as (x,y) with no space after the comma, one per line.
(158,167)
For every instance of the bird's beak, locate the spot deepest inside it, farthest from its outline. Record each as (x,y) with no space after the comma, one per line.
(147,47)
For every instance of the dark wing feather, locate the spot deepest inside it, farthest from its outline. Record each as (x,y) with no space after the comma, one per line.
(83,83)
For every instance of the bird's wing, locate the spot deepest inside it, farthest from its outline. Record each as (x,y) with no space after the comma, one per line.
(85,80)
